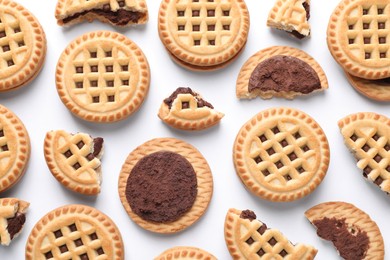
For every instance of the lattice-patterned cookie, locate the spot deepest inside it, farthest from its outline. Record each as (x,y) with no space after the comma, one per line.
(185,253)
(187,110)
(12,219)
(75,232)
(102,77)
(165,185)
(203,34)
(22,46)
(248,238)
(115,12)
(359,39)
(375,89)
(291,16)
(354,234)
(14,149)
(74,160)
(367,136)
(281,154)
(280,71)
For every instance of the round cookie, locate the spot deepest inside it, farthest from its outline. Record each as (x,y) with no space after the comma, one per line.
(378,90)
(281,154)
(285,82)
(358,37)
(185,253)
(75,232)
(14,149)
(165,185)
(203,35)
(102,77)
(23,44)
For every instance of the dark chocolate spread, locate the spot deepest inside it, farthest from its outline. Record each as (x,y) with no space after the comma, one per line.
(15,224)
(162,187)
(283,74)
(248,214)
(97,145)
(173,96)
(352,243)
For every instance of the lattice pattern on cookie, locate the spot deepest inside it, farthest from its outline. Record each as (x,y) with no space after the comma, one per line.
(114,4)
(368,31)
(204,22)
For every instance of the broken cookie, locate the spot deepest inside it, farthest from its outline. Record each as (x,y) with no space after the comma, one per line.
(12,219)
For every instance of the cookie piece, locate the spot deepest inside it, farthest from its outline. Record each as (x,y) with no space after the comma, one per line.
(12,219)
(165,185)
(291,16)
(14,149)
(354,234)
(75,232)
(281,154)
(102,77)
(378,90)
(116,12)
(280,71)
(248,238)
(203,35)
(358,37)
(367,136)
(74,160)
(187,110)
(22,44)
(185,252)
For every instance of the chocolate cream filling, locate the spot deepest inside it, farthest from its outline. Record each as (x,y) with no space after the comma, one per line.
(162,187)
(15,224)
(97,148)
(284,74)
(351,243)
(201,102)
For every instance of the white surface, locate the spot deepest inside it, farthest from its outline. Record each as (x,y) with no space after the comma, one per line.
(40,108)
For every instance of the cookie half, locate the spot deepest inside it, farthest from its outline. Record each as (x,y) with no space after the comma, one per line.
(354,234)
(358,37)
(165,185)
(378,90)
(280,71)
(367,136)
(119,12)
(75,232)
(102,77)
(187,110)
(74,160)
(248,238)
(12,219)
(281,154)
(23,45)
(14,149)
(291,16)
(185,252)
(203,35)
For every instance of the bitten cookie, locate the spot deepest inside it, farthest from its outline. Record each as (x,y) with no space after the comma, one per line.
(75,232)
(116,12)
(358,37)
(291,16)
(185,253)
(12,219)
(248,238)
(280,71)
(378,90)
(165,185)
(352,232)
(281,154)
(14,149)
(187,110)
(74,160)
(102,77)
(203,35)
(367,136)
(22,44)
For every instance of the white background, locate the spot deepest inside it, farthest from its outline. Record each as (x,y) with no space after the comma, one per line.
(41,110)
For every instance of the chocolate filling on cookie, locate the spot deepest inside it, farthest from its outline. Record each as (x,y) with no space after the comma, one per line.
(284,74)
(248,214)
(351,242)
(15,224)
(201,102)
(162,187)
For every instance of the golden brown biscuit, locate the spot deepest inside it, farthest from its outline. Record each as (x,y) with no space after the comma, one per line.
(185,253)
(378,90)
(281,154)
(165,185)
(248,238)
(354,234)
(12,219)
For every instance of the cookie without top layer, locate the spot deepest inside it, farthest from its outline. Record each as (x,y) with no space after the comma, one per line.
(184,252)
